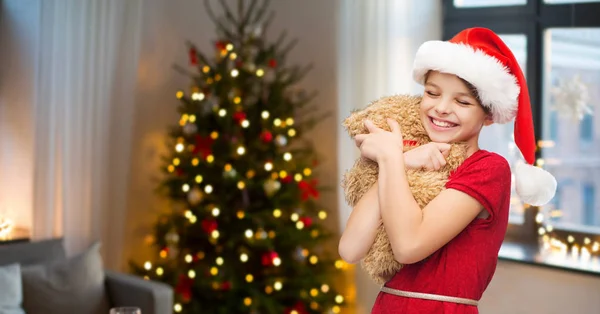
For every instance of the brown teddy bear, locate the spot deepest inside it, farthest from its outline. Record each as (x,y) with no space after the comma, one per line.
(425,185)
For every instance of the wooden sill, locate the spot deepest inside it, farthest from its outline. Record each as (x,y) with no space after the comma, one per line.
(529,254)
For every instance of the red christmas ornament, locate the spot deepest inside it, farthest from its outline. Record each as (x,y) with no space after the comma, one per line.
(193,56)
(226,286)
(203,146)
(268,257)
(266,136)
(220,45)
(298,307)
(307,221)
(239,116)
(286,179)
(209,225)
(266,261)
(274,255)
(272,63)
(184,287)
(308,189)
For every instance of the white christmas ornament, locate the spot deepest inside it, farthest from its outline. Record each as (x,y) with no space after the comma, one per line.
(190,129)
(194,196)
(281,140)
(172,237)
(572,98)
(271,187)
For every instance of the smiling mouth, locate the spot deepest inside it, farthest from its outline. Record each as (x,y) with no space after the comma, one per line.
(442,124)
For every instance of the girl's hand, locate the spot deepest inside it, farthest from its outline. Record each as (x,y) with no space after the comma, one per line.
(431,156)
(379,144)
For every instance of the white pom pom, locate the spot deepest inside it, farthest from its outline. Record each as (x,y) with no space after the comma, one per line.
(534,185)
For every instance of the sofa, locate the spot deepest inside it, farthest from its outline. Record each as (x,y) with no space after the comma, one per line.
(47,275)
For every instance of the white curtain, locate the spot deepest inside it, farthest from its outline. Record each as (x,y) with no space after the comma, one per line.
(82,87)
(377,43)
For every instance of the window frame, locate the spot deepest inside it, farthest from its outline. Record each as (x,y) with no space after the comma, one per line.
(531,20)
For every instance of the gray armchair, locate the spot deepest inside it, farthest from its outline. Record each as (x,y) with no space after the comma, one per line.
(151,296)
(122,289)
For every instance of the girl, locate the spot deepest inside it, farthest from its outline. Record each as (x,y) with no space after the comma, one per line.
(450,247)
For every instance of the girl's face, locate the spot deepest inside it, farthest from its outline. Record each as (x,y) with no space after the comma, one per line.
(450,111)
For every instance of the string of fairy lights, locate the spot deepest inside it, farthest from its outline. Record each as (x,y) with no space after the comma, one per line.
(575,246)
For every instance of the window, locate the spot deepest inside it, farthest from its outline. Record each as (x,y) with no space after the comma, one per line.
(487,3)
(553,132)
(586,128)
(556,204)
(557,43)
(571,97)
(590,215)
(569,1)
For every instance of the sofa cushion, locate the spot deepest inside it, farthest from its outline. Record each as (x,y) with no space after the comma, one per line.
(10,285)
(74,285)
(32,253)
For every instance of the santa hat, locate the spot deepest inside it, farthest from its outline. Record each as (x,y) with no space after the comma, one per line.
(481,58)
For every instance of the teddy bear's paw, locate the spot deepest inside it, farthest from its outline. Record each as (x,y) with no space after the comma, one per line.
(456,156)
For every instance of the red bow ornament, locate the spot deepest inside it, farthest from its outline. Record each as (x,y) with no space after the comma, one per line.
(308,189)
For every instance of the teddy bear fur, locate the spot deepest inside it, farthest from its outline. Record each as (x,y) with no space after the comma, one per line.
(425,185)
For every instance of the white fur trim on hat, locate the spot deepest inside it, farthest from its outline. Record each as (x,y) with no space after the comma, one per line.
(497,88)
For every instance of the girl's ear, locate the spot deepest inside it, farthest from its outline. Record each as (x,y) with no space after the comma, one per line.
(489,120)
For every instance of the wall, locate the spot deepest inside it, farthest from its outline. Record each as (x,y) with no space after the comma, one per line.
(525,289)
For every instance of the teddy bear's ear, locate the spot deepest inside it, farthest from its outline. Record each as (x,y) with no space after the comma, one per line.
(354,124)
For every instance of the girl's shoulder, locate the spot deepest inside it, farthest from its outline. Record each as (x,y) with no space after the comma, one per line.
(486,177)
(486,159)
(485,163)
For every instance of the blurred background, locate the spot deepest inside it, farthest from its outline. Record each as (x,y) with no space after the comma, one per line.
(93,94)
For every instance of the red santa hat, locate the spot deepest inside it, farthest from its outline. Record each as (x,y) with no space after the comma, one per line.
(480,57)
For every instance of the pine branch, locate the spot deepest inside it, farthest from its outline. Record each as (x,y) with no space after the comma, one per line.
(296,75)
(279,40)
(183,71)
(289,47)
(246,17)
(267,24)
(202,57)
(307,100)
(215,20)
(262,11)
(313,120)
(228,15)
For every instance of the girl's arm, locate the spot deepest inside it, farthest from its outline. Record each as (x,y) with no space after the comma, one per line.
(416,234)
(361,227)
(365,219)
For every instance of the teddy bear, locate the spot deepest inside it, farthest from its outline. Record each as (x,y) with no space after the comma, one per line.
(379,263)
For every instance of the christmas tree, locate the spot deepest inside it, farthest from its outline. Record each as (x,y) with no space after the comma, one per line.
(243,232)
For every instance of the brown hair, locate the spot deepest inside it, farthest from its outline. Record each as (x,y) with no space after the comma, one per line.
(472,90)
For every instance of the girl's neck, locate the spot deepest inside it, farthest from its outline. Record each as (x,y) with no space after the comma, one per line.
(472,149)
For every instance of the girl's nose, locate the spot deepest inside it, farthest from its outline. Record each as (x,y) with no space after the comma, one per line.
(443,107)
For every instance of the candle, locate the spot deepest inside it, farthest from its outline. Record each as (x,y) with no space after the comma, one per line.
(6,227)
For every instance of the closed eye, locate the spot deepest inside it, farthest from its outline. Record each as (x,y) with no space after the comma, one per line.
(431,93)
(463,102)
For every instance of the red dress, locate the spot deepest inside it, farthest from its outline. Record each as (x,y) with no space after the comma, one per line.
(463,267)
